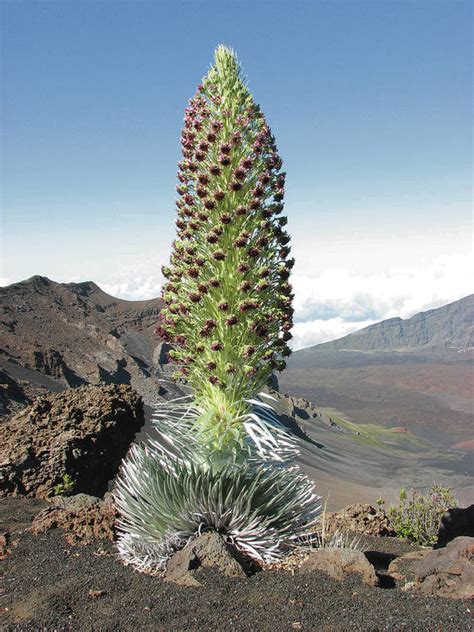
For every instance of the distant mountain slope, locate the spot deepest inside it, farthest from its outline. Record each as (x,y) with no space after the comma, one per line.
(74,333)
(416,373)
(450,326)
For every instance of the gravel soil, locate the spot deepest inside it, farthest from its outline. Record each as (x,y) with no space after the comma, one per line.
(50,585)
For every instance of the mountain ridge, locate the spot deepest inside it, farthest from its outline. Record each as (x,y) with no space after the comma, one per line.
(73,334)
(450,326)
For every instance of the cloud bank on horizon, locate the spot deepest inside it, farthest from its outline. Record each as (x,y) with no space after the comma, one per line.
(330,302)
(336,302)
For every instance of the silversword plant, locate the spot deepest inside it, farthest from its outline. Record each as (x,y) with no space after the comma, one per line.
(221,460)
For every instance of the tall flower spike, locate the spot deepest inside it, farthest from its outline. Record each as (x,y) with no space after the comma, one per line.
(234,185)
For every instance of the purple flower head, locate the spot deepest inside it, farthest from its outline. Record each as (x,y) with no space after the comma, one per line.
(225,219)
(245,286)
(239,173)
(210,205)
(213,379)
(193,273)
(212,238)
(264,178)
(255,204)
(219,195)
(248,351)
(236,185)
(211,365)
(241,210)
(232,320)
(202,288)
(203,178)
(214,282)
(242,239)
(211,137)
(218,255)
(203,145)
(195,297)
(254,252)
(181,341)
(247,163)
(287,336)
(243,267)
(215,170)
(223,306)
(200,156)
(217,346)
(225,148)
(224,160)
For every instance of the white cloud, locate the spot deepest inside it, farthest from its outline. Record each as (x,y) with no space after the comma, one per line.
(338,301)
(313,332)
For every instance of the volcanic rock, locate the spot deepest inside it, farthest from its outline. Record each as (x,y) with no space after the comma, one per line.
(359,518)
(208,550)
(84,518)
(455,523)
(83,433)
(339,562)
(447,572)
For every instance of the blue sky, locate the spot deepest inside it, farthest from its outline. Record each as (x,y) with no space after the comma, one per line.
(370,103)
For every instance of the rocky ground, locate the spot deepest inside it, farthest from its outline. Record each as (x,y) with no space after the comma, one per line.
(50,584)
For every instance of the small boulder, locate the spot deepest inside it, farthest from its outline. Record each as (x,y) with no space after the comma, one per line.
(359,518)
(446,572)
(456,522)
(83,518)
(208,550)
(339,562)
(401,568)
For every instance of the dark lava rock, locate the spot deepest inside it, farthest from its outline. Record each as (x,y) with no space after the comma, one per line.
(447,572)
(456,522)
(208,550)
(84,518)
(82,432)
(338,563)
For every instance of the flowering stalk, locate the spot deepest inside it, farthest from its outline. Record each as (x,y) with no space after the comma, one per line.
(228,309)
